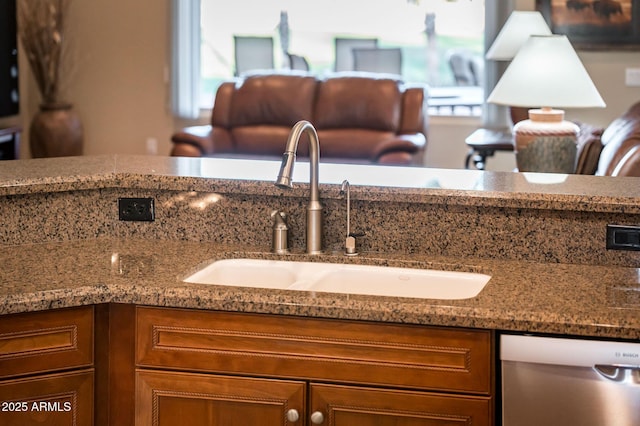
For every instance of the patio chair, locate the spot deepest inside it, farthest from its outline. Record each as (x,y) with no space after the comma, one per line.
(344,51)
(379,60)
(297,62)
(253,53)
(465,71)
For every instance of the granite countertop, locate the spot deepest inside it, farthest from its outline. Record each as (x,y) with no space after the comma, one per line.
(398,184)
(557,298)
(521,296)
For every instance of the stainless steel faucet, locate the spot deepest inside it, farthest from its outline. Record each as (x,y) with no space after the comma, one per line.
(284,180)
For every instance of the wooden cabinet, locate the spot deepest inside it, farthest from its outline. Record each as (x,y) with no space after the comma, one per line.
(46,368)
(347,372)
(169,399)
(161,366)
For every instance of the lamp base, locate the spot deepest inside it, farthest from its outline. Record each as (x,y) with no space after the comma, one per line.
(546,143)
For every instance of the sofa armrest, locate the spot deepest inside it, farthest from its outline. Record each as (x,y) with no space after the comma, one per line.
(629,165)
(414,110)
(411,144)
(192,140)
(589,148)
(205,140)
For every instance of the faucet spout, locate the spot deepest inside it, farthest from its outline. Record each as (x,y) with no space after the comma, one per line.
(284,180)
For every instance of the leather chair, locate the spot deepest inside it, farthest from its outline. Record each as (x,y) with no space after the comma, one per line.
(620,154)
(360,118)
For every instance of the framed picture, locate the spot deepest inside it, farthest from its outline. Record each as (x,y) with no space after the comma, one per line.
(595,24)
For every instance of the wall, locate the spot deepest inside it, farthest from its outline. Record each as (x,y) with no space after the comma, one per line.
(120,84)
(119,79)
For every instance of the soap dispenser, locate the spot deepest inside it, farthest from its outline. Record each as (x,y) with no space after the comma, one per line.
(280,238)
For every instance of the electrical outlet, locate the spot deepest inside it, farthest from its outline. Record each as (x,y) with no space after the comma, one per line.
(632,77)
(623,237)
(136,209)
(152,146)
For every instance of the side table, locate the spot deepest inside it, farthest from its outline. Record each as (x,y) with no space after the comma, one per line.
(10,143)
(484,143)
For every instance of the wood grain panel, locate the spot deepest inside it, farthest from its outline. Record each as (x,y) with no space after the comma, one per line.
(38,342)
(169,399)
(316,349)
(347,406)
(115,364)
(61,399)
(46,341)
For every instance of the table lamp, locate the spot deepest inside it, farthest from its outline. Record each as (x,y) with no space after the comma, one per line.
(514,33)
(546,71)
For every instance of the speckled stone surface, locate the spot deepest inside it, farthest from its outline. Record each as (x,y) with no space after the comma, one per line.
(373,183)
(477,214)
(61,243)
(523,296)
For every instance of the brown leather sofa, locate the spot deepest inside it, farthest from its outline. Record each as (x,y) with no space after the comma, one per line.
(360,118)
(613,151)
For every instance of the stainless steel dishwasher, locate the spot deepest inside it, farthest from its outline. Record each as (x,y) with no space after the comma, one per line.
(552,381)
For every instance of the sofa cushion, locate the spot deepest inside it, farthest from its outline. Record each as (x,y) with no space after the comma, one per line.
(221,105)
(352,143)
(364,103)
(273,99)
(265,140)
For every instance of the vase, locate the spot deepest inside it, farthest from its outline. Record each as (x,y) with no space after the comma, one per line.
(546,143)
(56,131)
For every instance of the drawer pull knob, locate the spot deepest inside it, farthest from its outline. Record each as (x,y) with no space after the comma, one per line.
(317,418)
(292,415)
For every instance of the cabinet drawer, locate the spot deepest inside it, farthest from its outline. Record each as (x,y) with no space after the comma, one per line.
(46,341)
(409,356)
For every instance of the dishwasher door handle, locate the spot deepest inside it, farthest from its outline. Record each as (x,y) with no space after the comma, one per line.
(619,373)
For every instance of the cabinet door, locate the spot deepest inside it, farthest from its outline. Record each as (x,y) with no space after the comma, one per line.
(169,399)
(63,399)
(348,406)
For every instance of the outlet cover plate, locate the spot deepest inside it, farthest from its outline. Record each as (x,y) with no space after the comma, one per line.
(136,209)
(623,237)
(632,77)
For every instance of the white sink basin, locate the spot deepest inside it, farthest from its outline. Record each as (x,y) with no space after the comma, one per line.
(340,278)
(247,273)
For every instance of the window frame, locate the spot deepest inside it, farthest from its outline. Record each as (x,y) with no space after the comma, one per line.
(186,60)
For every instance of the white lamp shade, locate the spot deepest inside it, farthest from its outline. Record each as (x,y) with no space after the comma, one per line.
(547,72)
(515,32)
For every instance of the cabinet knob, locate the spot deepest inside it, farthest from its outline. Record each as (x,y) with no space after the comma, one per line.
(317,418)
(293,415)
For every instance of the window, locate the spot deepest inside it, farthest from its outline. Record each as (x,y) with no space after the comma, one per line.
(436,37)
